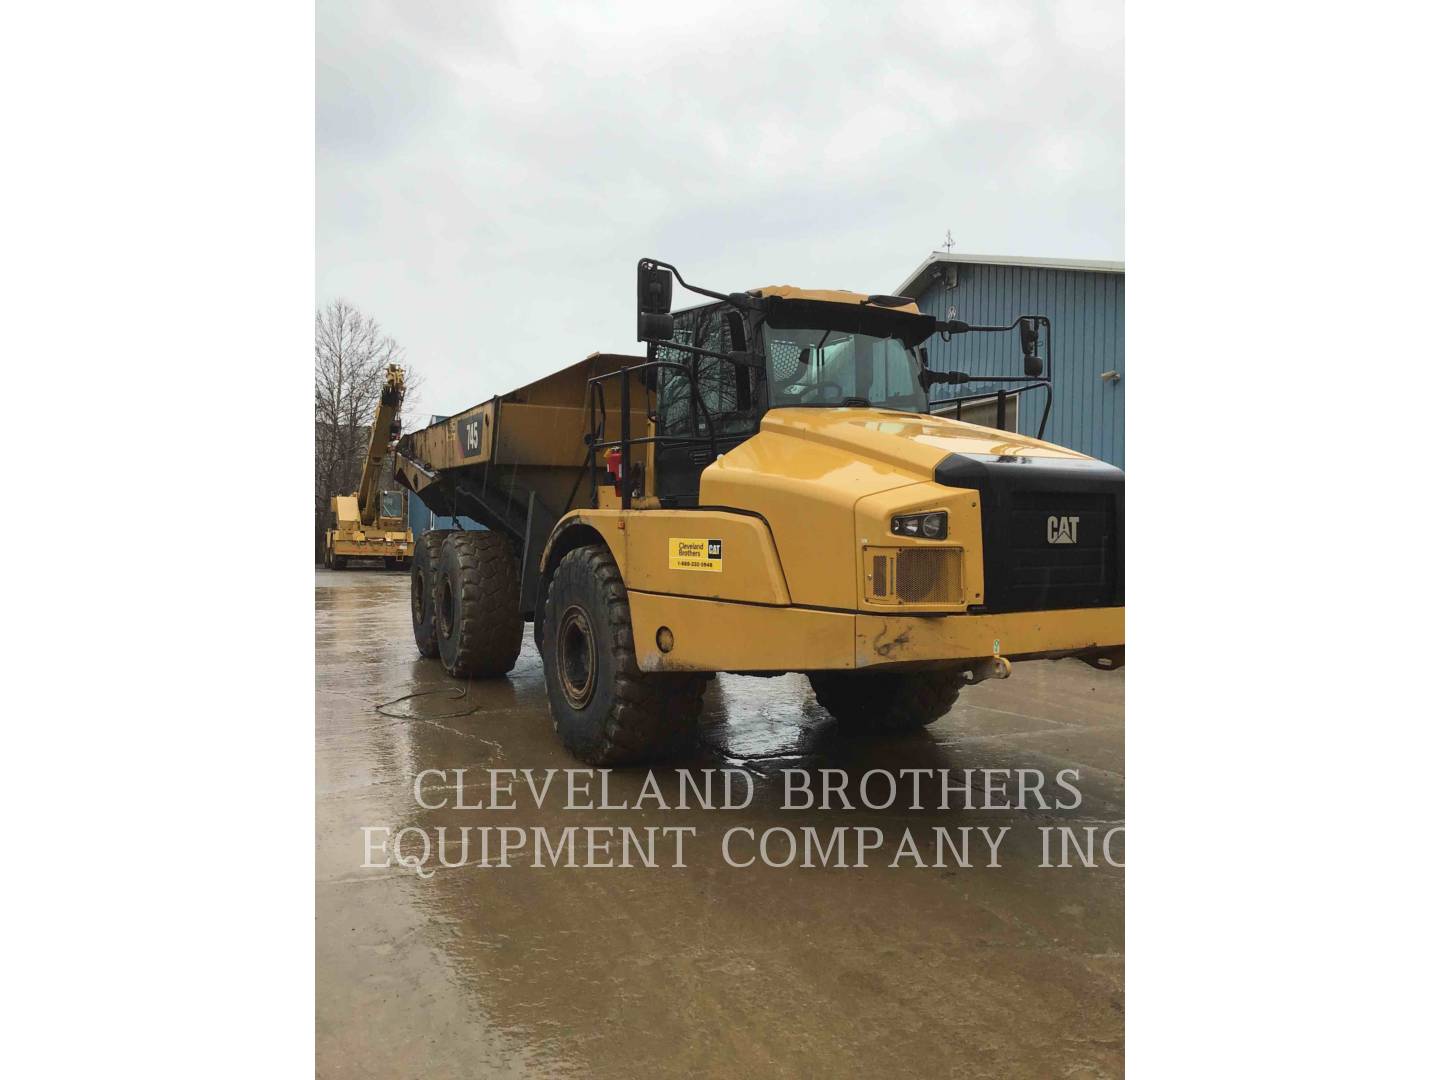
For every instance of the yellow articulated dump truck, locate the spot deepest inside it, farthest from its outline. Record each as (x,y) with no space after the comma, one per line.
(371,524)
(764,491)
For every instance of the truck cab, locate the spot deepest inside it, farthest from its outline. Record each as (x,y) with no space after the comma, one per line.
(846,387)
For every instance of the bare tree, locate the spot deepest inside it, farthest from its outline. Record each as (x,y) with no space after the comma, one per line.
(351,354)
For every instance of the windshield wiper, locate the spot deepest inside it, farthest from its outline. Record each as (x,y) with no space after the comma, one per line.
(854,403)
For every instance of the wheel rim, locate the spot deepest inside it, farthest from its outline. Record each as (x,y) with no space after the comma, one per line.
(445,610)
(577,657)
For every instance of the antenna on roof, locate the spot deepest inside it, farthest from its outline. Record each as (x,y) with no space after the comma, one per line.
(949,240)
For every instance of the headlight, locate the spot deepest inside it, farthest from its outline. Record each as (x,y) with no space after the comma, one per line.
(926,526)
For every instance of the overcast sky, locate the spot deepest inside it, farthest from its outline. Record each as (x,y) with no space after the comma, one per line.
(488,173)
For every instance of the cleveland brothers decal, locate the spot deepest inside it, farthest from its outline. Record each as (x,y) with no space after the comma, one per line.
(691,554)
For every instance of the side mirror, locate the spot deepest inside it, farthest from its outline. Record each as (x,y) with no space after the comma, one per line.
(652,301)
(655,327)
(1030,345)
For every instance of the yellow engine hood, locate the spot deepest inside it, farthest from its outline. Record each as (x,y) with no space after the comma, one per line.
(805,470)
(905,440)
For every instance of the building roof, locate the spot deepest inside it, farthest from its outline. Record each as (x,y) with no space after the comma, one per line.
(1099,266)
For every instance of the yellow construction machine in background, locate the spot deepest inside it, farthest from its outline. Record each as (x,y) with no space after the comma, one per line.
(371,524)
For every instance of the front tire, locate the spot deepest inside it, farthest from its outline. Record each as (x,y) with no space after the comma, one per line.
(477,605)
(606,711)
(886,703)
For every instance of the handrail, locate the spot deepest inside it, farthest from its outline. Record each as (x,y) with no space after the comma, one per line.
(1047,386)
(595,439)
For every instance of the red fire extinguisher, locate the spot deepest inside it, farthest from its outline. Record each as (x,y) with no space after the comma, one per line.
(612,466)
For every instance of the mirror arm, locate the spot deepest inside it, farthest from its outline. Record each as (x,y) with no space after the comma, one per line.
(740,300)
(1029,325)
(929,378)
(955,326)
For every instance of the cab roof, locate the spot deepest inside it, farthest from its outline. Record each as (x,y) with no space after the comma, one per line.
(900,304)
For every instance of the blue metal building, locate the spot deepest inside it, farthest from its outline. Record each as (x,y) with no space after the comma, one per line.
(1085,302)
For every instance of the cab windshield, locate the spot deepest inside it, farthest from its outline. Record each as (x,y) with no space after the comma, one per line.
(834,368)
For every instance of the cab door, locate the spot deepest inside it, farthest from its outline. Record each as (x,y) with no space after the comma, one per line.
(724,391)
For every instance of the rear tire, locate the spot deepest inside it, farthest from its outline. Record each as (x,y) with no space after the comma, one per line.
(886,703)
(605,709)
(423,570)
(337,562)
(477,605)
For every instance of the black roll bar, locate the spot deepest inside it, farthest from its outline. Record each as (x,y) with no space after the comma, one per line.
(596,440)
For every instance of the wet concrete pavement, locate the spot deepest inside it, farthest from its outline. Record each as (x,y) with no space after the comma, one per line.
(711,969)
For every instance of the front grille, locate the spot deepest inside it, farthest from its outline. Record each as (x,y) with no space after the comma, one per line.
(928,576)
(1063,551)
(879,587)
(1053,529)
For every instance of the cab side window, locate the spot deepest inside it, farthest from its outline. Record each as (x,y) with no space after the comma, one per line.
(727,392)
(673,405)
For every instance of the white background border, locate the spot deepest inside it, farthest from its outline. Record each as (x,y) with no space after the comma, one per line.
(158,202)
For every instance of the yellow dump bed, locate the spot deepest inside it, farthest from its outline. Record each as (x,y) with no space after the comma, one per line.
(534,435)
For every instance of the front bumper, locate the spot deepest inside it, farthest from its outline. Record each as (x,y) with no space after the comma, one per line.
(374,549)
(712,635)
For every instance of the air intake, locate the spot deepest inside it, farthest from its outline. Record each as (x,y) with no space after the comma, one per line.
(929,576)
(879,587)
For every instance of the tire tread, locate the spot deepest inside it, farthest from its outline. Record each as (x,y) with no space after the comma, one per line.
(882,703)
(426,563)
(652,715)
(489,627)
